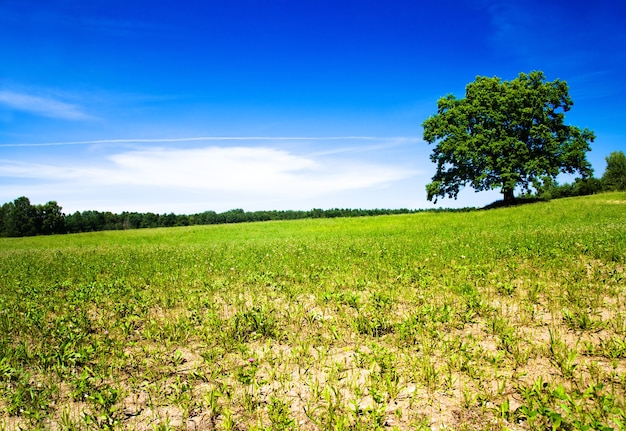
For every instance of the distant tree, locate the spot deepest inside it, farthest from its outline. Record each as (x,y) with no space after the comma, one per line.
(74,222)
(52,219)
(316,213)
(4,219)
(235,216)
(93,221)
(20,218)
(614,177)
(168,220)
(207,217)
(182,220)
(504,134)
(111,221)
(587,186)
(150,220)
(132,220)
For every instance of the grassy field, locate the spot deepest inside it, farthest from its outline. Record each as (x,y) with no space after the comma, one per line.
(512,318)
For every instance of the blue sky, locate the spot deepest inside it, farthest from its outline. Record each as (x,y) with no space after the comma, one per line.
(274,104)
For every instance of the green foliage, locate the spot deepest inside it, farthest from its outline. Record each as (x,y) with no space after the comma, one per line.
(253,323)
(549,188)
(614,177)
(21,218)
(504,134)
(279,415)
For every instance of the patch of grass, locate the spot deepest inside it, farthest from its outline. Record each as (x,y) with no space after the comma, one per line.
(512,318)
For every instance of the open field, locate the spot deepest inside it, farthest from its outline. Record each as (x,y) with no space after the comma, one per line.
(511,318)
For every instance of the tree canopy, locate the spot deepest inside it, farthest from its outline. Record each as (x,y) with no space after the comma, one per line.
(614,177)
(504,134)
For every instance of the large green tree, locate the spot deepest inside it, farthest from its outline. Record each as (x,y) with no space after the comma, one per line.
(503,135)
(614,177)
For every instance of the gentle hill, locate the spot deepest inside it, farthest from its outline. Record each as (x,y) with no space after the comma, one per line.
(510,317)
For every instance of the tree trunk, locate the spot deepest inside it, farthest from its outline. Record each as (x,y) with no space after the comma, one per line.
(508,195)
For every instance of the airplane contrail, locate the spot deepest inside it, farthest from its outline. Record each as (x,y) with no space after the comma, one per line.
(214,139)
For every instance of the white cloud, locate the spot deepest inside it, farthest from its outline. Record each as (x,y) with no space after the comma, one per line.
(259,173)
(214,177)
(43,106)
(213,168)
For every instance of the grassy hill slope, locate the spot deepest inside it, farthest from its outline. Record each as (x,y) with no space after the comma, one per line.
(508,318)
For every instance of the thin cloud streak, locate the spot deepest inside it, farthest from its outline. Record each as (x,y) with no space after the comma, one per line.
(216,139)
(389,143)
(42,106)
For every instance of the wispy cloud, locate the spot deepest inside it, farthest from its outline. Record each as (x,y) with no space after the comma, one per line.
(42,106)
(243,174)
(232,169)
(393,140)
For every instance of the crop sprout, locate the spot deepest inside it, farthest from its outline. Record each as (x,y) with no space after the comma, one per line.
(511,318)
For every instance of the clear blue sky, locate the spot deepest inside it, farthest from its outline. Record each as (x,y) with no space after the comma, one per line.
(274,104)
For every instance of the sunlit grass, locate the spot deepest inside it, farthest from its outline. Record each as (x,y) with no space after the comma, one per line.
(503,319)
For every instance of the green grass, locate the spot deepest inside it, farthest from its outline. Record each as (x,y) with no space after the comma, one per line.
(512,318)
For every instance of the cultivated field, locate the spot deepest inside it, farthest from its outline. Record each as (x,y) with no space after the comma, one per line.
(511,318)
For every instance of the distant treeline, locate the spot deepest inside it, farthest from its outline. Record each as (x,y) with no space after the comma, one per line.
(550,189)
(21,218)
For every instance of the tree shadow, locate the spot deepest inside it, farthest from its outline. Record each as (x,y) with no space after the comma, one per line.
(513,203)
